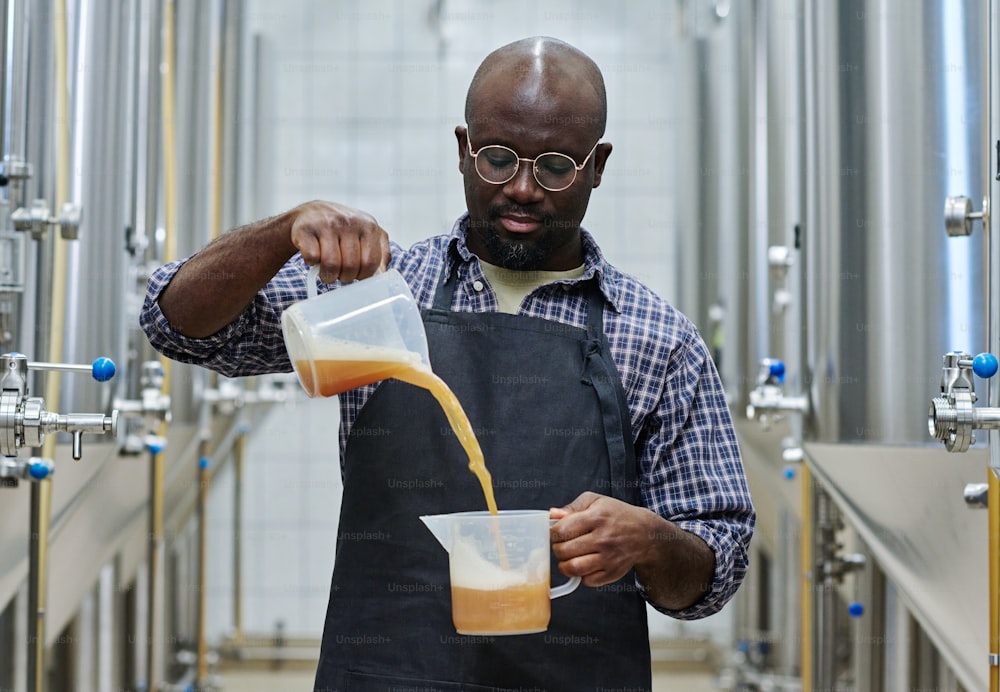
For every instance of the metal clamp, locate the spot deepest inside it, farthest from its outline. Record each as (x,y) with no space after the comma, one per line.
(953,417)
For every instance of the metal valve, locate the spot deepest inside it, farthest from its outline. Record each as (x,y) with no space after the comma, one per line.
(768,400)
(952,417)
(779,259)
(958,216)
(13,469)
(229,397)
(152,406)
(24,420)
(976,495)
(840,565)
(36,220)
(13,172)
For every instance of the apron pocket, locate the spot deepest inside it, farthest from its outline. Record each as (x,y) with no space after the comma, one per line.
(371,682)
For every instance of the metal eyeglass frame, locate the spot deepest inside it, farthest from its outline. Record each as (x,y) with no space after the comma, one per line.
(534,166)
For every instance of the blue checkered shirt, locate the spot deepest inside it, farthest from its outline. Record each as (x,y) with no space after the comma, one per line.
(690,467)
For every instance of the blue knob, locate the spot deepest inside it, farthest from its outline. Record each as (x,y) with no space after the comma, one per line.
(985,365)
(776,369)
(204,463)
(103,369)
(155,447)
(856,610)
(38,471)
(788,472)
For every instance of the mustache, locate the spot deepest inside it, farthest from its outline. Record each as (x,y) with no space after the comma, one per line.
(497,210)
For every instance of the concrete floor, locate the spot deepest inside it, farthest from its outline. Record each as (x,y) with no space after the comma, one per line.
(664,680)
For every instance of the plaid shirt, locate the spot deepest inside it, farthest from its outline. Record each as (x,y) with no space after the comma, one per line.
(690,467)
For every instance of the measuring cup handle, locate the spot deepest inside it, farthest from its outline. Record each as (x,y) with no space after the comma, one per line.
(568,587)
(313,276)
(563,589)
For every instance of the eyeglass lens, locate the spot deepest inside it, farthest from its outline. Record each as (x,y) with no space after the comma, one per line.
(553,171)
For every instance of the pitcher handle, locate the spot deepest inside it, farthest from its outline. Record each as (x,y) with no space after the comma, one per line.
(313,277)
(563,589)
(569,586)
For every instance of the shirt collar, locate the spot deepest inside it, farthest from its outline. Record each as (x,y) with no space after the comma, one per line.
(594,263)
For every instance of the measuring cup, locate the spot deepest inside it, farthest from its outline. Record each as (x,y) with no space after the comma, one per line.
(354,335)
(500,570)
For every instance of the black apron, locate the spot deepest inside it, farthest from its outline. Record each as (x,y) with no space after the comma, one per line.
(548,408)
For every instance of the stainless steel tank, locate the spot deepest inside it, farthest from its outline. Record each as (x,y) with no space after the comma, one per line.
(896,99)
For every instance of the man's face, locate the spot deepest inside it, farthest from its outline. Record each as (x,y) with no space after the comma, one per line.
(519,224)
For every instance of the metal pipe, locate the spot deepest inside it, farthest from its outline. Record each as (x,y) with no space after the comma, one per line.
(201,585)
(825,672)
(41,492)
(167,75)
(40,512)
(154,621)
(239,455)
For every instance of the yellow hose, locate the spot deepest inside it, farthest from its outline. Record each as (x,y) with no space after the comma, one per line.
(993,500)
(56,334)
(157,460)
(807,579)
(204,472)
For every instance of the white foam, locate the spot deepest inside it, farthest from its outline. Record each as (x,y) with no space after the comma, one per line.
(471,570)
(324,348)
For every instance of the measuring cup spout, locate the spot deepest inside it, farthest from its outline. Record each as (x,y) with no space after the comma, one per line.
(440,525)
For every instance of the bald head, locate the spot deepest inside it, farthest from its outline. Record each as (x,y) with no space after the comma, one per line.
(542,68)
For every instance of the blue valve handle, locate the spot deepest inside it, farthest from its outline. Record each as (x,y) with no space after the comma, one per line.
(776,369)
(38,471)
(985,365)
(103,369)
(856,610)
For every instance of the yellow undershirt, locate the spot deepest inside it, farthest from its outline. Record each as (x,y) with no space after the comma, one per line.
(512,287)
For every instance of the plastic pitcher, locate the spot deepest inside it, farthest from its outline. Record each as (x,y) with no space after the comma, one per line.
(354,335)
(500,573)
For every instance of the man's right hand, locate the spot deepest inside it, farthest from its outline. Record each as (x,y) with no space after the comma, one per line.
(218,283)
(347,243)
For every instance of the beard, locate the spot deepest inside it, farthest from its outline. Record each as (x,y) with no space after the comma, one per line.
(516,255)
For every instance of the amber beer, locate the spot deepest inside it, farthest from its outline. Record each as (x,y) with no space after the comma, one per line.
(518,609)
(332,377)
(335,375)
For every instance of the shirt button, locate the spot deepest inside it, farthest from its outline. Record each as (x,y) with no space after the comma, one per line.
(478,285)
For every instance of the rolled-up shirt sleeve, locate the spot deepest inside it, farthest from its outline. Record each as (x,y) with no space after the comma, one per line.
(693,473)
(252,344)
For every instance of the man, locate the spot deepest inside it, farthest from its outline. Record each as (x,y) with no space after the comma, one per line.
(593,396)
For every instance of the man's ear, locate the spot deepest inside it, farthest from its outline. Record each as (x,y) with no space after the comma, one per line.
(462,135)
(600,159)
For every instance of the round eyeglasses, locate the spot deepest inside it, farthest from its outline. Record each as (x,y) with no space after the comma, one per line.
(498,164)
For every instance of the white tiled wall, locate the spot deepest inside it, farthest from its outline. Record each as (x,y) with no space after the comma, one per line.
(356,101)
